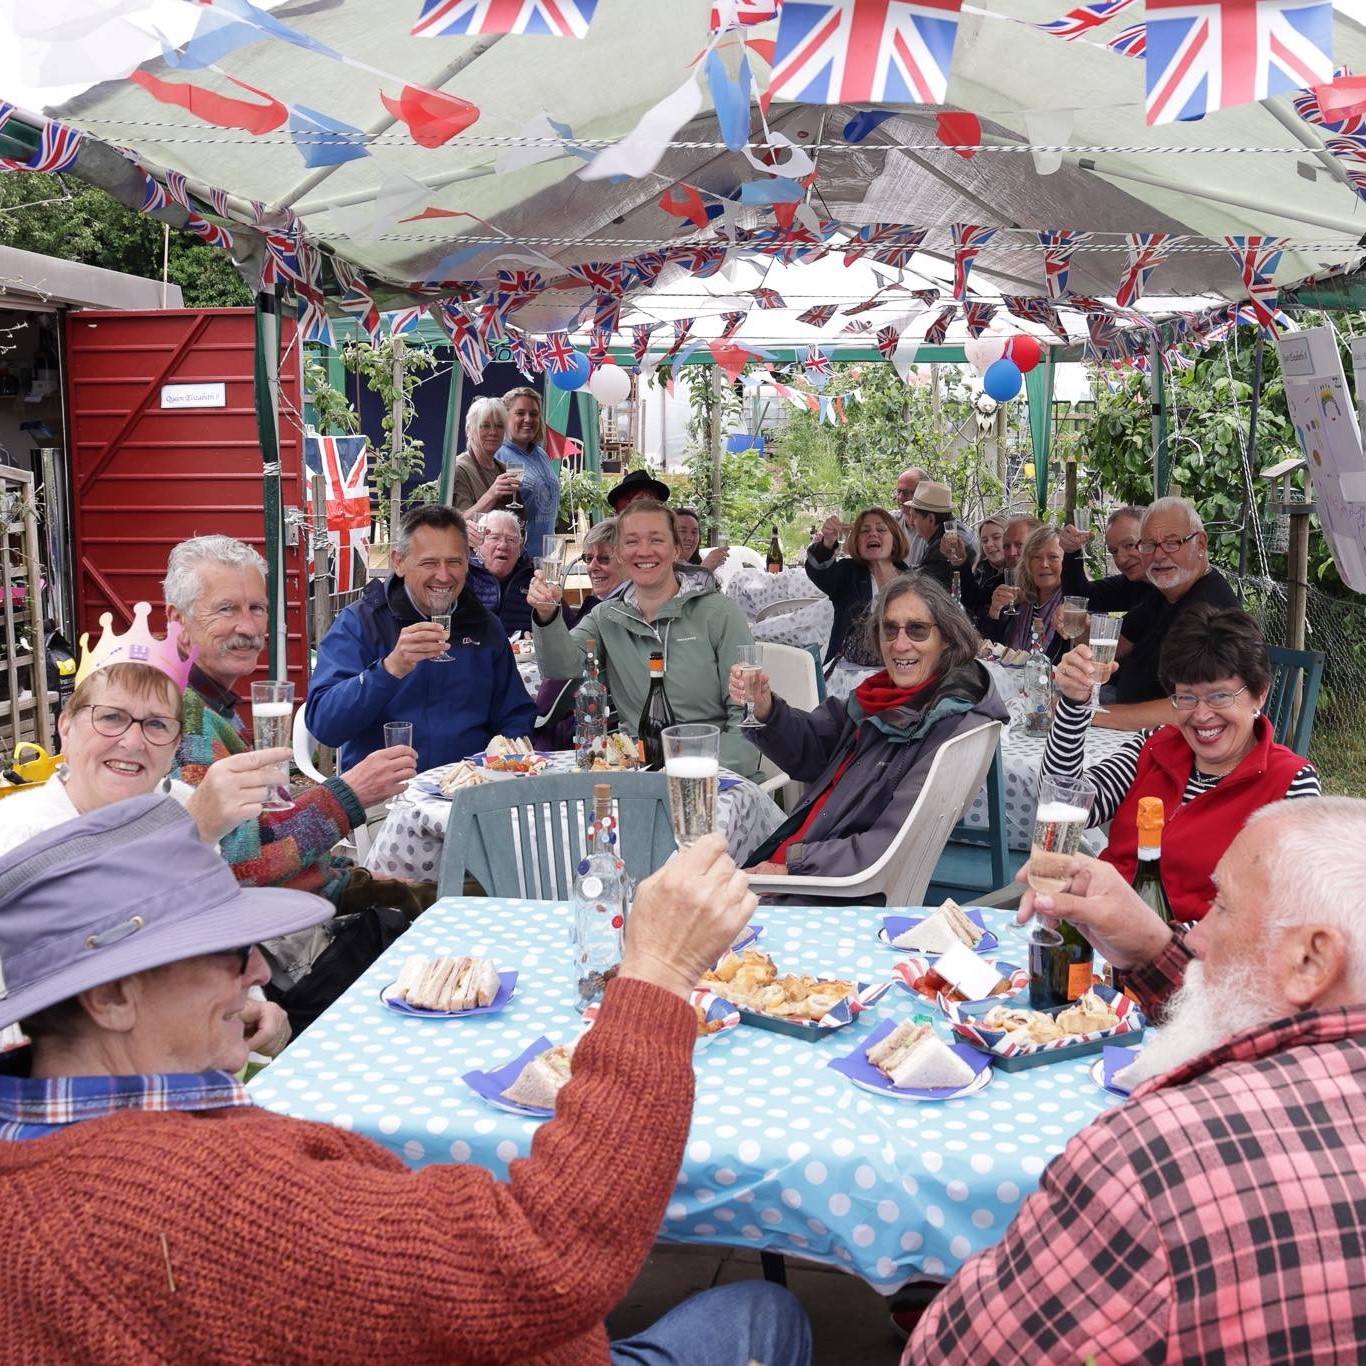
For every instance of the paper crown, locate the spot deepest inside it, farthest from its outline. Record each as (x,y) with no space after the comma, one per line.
(137,646)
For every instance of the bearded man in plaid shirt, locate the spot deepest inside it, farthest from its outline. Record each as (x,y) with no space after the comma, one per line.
(1220,1214)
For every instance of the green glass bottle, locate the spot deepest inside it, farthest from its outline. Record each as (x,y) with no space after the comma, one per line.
(1148,875)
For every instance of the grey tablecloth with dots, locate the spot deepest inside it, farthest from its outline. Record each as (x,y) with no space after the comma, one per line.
(810,624)
(784,1153)
(409,842)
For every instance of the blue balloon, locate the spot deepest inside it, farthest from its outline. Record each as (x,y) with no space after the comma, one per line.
(575,377)
(1002,379)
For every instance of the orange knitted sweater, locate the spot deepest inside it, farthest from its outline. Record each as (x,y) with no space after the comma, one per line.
(244,1236)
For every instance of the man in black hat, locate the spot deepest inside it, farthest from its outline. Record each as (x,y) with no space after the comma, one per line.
(637,484)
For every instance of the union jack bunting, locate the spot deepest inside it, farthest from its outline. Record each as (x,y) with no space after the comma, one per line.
(701,261)
(928,297)
(602,277)
(469,346)
(468,18)
(154,194)
(817,361)
(767,298)
(200,227)
(939,328)
(520,350)
(682,331)
(1352,153)
(1257,259)
(219,200)
(644,269)
(1058,246)
(1035,310)
(1205,55)
(606,313)
(1147,250)
(1104,331)
(1307,107)
(855,327)
(1075,23)
(886,340)
(976,316)
(356,299)
(1131,41)
(57,150)
(599,340)
(742,13)
(731,324)
(891,243)
(403,320)
(343,463)
(817,316)
(856,309)
(968,241)
(557,355)
(640,340)
(864,51)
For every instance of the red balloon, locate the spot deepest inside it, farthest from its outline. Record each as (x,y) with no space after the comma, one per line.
(1025,351)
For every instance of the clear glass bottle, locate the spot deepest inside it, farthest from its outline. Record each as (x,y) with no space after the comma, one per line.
(1038,694)
(590,711)
(600,902)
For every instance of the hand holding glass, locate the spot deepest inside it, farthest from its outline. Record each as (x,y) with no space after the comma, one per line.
(272,725)
(1059,823)
(1104,641)
(747,660)
(692,764)
(1011,579)
(1075,617)
(441,616)
(551,567)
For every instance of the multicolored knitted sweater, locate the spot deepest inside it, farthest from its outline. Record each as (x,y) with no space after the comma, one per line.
(283,848)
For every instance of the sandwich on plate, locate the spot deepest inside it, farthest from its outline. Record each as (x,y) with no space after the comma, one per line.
(913,1055)
(447,984)
(937,933)
(539,1082)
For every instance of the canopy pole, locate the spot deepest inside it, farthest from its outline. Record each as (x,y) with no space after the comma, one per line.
(399,418)
(1039,388)
(454,399)
(714,435)
(267,375)
(1162,467)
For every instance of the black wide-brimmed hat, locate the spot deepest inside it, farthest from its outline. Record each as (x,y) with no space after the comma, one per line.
(638,482)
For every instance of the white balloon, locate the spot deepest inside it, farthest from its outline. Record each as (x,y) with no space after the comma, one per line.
(610,384)
(984,350)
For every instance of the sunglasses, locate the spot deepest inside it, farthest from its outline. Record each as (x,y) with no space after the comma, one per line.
(915,630)
(243,957)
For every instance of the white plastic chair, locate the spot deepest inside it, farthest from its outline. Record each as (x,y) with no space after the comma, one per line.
(305,746)
(783,606)
(792,675)
(902,874)
(741,557)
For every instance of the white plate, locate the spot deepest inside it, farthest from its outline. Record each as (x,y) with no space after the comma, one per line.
(978,1083)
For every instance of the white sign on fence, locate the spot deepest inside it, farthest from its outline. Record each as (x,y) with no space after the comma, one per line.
(194,395)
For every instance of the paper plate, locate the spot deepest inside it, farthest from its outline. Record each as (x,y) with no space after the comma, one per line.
(499,1002)
(866,1077)
(489,1086)
(893,925)
(1113,1060)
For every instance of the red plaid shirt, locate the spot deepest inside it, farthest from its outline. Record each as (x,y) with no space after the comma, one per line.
(1219,1215)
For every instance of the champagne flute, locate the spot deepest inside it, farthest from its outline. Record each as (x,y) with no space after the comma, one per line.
(1075,617)
(692,764)
(747,659)
(272,726)
(1060,819)
(950,534)
(1104,641)
(440,615)
(516,467)
(1081,518)
(1011,579)
(551,567)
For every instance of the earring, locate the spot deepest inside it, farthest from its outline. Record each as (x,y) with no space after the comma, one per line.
(63,772)
(1256,712)
(166,785)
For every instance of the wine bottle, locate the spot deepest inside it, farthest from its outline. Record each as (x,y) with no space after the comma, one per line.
(599,903)
(655,717)
(590,711)
(1148,875)
(1081,960)
(774,563)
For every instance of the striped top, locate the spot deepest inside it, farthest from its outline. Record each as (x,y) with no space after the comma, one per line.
(1114,776)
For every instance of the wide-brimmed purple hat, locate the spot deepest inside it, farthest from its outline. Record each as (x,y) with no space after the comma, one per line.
(128,887)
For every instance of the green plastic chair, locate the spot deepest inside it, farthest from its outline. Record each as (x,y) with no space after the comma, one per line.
(524,837)
(1288,668)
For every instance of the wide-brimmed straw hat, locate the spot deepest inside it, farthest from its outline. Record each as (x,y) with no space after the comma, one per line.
(932,497)
(122,889)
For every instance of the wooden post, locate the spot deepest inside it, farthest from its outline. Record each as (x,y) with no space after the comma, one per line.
(1297,587)
(322,586)
(1069,490)
(396,488)
(715,435)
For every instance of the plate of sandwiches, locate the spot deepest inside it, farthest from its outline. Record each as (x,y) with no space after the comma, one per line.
(530,1083)
(1110,1071)
(909,1061)
(510,756)
(797,1004)
(449,987)
(963,978)
(937,932)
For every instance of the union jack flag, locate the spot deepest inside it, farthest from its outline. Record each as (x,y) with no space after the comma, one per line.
(200,227)
(699,260)
(599,340)
(1212,54)
(469,346)
(817,316)
(557,355)
(856,309)
(743,13)
(606,313)
(356,299)
(976,316)
(1147,250)
(644,269)
(731,324)
(858,325)
(886,340)
(57,151)
(767,298)
(817,361)
(154,195)
(682,331)
(1075,23)
(522,357)
(602,277)
(467,18)
(939,328)
(891,243)
(1307,107)
(1104,330)
(1131,41)
(403,320)
(1257,259)
(864,51)
(968,241)
(1035,310)
(640,340)
(1058,246)
(343,463)
(928,297)
(1352,153)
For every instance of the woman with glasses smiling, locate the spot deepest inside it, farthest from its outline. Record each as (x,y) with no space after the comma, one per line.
(1213,765)
(864,761)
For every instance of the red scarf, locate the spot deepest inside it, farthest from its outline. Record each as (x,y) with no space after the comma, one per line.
(875,694)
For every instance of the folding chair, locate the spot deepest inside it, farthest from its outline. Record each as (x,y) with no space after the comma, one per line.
(1296,675)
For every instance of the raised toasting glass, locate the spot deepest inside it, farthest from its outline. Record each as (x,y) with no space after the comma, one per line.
(272,726)
(1059,823)
(692,764)
(1074,618)
(747,660)
(440,615)
(1103,639)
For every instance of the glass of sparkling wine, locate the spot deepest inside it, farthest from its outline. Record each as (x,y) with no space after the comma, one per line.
(747,658)
(1076,617)
(1011,579)
(1104,641)
(517,469)
(950,534)
(1081,517)
(441,616)
(1059,823)
(272,724)
(692,764)
(551,567)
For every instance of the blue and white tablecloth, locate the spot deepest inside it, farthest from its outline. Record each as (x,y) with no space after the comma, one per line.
(784,1153)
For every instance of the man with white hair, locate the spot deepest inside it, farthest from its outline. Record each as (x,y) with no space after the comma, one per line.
(1219,1215)
(501,574)
(1175,553)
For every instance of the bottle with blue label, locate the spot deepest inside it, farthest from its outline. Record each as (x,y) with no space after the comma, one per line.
(600,899)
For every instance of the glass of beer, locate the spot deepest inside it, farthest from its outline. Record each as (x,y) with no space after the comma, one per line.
(747,659)
(1075,617)
(1103,639)
(272,725)
(1059,823)
(692,764)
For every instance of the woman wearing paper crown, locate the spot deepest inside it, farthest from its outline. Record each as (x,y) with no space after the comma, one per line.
(119,733)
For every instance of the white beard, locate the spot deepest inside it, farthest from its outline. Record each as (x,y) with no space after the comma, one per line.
(1201,1016)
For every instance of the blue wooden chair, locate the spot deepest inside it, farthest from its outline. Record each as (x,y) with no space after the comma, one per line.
(1289,670)
(976,860)
(525,836)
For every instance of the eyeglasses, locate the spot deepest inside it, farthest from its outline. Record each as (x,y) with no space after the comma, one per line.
(111,722)
(505,537)
(598,559)
(1170,544)
(243,957)
(1126,547)
(1188,701)
(915,630)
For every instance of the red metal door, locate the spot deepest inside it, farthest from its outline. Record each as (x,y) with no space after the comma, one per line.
(164,446)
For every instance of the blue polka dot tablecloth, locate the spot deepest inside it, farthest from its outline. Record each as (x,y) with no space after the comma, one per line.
(784,1153)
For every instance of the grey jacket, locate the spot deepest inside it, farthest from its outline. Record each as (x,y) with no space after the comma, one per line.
(893,752)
